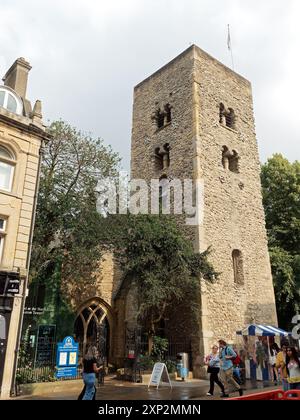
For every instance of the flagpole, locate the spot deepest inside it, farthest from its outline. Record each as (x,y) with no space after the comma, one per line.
(229,44)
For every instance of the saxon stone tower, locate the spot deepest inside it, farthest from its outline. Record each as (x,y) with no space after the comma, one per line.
(193,119)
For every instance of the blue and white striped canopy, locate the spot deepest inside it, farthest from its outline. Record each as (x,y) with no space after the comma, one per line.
(263,330)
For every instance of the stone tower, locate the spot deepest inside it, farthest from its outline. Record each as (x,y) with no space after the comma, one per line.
(193,119)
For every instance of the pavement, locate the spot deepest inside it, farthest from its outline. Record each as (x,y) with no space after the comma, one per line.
(113,389)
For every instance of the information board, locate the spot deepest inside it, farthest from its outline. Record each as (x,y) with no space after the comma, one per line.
(159,374)
(67,358)
(45,345)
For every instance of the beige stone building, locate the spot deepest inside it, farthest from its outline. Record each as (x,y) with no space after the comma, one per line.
(21,136)
(193,119)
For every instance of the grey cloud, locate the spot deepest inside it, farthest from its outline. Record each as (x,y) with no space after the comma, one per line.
(87,56)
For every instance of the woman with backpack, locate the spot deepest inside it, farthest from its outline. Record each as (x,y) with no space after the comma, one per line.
(226,367)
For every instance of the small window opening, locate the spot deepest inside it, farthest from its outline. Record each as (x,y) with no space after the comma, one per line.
(238,269)
(162,157)
(168,113)
(230,160)
(163,117)
(227,117)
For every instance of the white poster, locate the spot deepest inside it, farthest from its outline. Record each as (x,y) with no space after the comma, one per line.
(62,359)
(72,358)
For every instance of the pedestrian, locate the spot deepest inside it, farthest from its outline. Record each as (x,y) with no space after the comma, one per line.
(281,365)
(293,368)
(226,367)
(213,363)
(274,350)
(237,367)
(89,373)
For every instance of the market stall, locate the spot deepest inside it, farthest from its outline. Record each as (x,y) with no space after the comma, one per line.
(254,347)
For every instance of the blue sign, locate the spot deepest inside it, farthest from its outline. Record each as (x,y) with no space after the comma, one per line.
(67,358)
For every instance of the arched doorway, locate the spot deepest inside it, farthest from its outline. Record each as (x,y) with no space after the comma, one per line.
(93,327)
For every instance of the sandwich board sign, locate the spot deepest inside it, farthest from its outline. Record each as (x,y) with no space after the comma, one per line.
(159,374)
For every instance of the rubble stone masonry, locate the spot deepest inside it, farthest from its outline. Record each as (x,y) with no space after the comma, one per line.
(223,153)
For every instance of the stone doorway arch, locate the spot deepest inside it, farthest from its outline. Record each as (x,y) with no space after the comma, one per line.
(93,326)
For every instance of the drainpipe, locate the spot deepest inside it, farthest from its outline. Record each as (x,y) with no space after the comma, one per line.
(13,391)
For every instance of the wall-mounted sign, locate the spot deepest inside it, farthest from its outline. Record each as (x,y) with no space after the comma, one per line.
(67,358)
(45,345)
(9,283)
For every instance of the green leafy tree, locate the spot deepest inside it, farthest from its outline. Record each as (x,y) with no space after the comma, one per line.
(68,228)
(281,197)
(162,265)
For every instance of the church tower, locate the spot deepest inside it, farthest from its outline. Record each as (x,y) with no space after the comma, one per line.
(193,119)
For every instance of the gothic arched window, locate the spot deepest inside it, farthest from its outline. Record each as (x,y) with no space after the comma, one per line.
(227,116)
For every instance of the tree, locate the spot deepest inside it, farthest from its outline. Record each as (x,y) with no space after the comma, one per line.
(160,262)
(68,228)
(281,198)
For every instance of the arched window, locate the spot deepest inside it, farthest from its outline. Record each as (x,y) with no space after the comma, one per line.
(230,160)
(162,157)
(10,101)
(7,167)
(227,116)
(238,269)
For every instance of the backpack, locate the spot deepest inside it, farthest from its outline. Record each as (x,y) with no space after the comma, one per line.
(231,358)
(236,361)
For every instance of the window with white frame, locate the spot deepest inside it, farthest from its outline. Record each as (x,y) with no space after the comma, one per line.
(2,235)
(10,101)
(7,167)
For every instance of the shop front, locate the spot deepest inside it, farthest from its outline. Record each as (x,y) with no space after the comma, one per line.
(254,343)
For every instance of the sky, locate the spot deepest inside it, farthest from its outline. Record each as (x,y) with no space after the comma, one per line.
(87,56)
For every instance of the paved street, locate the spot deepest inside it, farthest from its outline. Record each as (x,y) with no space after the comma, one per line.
(121,390)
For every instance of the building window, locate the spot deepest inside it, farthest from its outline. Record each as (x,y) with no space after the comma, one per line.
(230,160)
(2,235)
(10,101)
(163,117)
(238,269)
(227,117)
(162,157)
(7,167)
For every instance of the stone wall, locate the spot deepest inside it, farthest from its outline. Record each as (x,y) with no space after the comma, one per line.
(233,211)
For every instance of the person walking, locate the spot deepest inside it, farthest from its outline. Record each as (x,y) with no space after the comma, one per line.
(213,363)
(226,367)
(89,372)
(293,368)
(281,365)
(274,350)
